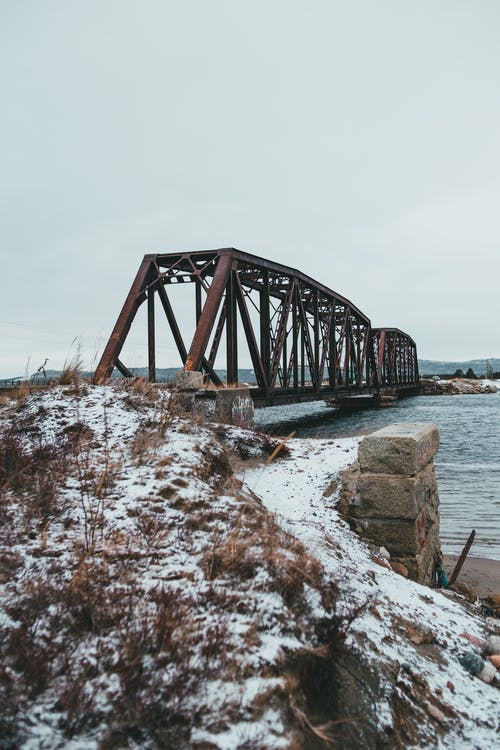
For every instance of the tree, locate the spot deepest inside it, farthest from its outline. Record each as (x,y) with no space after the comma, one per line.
(471,374)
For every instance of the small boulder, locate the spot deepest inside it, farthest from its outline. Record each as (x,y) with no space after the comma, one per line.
(399,568)
(493,603)
(435,713)
(495,660)
(488,673)
(471,662)
(493,644)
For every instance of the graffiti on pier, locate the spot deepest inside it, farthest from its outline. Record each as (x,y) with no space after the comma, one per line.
(242,412)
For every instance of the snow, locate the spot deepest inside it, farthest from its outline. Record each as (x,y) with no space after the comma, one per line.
(293,488)
(491,383)
(163,517)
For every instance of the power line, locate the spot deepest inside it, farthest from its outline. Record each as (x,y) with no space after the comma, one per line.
(35,328)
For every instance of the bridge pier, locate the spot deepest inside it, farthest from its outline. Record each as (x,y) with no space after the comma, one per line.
(392,495)
(366,401)
(234,406)
(189,380)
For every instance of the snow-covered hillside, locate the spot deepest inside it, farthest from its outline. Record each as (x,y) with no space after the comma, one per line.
(161,586)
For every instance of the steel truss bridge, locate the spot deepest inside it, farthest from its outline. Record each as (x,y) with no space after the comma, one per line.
(305,341)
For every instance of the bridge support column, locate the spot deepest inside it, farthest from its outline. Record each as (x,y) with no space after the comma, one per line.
(234,406)
(394,498)
(187,382)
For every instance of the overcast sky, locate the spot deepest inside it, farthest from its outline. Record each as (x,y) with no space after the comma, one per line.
(356,141)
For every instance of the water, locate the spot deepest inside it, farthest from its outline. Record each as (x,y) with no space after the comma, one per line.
(467,463)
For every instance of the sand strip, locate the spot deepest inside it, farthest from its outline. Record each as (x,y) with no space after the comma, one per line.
(482,575)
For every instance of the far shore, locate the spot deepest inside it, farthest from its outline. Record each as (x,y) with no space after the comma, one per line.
(480,573)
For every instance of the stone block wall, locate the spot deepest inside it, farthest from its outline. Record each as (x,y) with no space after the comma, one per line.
(234,406)
(393,496)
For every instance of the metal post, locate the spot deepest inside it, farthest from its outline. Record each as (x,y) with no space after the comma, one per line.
(265,328)
(198,300)
(316,379)
(231,332)
(295,347)
(151,336)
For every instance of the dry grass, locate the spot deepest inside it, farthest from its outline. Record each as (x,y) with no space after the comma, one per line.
(257,543)
(72,371)
(33,474)
(125,659)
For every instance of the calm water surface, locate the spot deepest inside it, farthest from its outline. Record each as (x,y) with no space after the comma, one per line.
(467,464)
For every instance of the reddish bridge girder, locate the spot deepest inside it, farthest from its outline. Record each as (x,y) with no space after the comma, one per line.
(396,357)
(304,339)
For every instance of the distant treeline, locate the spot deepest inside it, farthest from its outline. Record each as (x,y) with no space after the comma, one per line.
(480,368)
(470,374)
(477,368)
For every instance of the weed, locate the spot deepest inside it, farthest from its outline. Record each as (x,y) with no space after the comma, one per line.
(75,701)
(11,701)
(149,527)
(34,473)
(72,370)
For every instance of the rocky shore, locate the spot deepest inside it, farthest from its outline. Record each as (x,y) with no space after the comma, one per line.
(457,386)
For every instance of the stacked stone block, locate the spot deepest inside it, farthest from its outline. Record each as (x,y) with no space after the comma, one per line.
(396,503)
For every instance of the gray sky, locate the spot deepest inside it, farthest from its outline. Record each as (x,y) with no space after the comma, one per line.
(356,141)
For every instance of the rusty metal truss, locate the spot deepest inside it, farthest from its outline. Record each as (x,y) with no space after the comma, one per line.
(304,340)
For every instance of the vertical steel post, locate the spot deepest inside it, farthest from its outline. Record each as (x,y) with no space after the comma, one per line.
(198,299)
(316,378)
(295,345)
(347,349)
(284,360)
(231,331)
(359,374)
(151,336)
(265,328)
(332,351)
(302,352)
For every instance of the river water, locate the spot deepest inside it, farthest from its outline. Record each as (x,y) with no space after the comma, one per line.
(467,463)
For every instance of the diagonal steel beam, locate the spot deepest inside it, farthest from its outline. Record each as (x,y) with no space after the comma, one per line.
(207,318)
(281,334)
(307,342)
(135,297)
(167,307)
(217,337)
(250,335)
(124,370)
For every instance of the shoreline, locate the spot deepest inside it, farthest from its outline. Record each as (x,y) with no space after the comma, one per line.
(480,573)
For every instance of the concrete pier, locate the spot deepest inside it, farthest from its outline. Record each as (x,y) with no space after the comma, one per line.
(234,406)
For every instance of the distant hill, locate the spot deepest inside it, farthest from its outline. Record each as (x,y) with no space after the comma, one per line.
(163,375)
(437,367)
(167,374)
